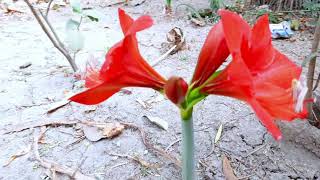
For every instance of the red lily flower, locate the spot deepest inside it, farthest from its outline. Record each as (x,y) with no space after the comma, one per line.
(258,74)
(123,67)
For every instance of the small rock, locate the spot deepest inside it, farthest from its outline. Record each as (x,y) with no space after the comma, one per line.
(118,144)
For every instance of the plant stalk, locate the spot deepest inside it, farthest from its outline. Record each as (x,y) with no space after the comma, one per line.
(312,65)
(187,149)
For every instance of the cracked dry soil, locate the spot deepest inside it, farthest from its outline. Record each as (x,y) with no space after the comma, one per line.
(26,94)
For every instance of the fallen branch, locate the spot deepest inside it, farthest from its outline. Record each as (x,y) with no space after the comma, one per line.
(53,166)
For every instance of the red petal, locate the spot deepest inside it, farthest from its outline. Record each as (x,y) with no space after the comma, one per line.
(266,119)
(261,52)
(277,101)
(129,26)
(125,21)
(261,34)
(280,73)
(139,67)
(234,81)
(95,95)
(235,29)
(213,53)
(140,24)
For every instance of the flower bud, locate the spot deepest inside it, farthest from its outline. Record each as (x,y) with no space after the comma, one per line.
(176,89)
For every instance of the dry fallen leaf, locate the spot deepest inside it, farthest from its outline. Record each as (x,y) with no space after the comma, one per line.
(198,22)
(22,152)
(176,37)
(218,135)
(10,7)
(112,130)
(90,109)
(227,169)
(96,131)
(158,121)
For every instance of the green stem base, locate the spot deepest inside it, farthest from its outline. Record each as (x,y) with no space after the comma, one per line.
(187,149)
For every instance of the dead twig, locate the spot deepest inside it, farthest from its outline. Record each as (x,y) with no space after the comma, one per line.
(150,146)
(33,124)
(136,159)
(171,144)
(48,8)
(207,167)
(19,154)
(51,34)
(115,166)
(53,166)
(163,56)
(256,150)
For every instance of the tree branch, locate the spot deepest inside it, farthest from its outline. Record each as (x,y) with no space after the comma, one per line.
(48,8)
(49,32)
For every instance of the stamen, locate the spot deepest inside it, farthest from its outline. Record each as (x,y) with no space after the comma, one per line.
(300,90)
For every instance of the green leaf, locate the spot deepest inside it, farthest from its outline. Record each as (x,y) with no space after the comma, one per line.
(93,15)
(76,6)
(93,18)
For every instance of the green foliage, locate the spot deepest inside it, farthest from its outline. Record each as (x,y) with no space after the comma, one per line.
(76,6)
(168,3)
(312,6)
(273,18)
(216,4)
(91,14)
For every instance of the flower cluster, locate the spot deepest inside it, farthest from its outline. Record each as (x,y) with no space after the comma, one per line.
(258,73)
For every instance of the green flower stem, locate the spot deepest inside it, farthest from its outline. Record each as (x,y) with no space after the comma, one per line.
(168,3)
(187,149)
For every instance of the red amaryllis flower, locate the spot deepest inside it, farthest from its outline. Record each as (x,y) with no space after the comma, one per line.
(123,67)
(258,73)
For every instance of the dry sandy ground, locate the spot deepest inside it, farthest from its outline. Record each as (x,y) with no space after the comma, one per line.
(26,94)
